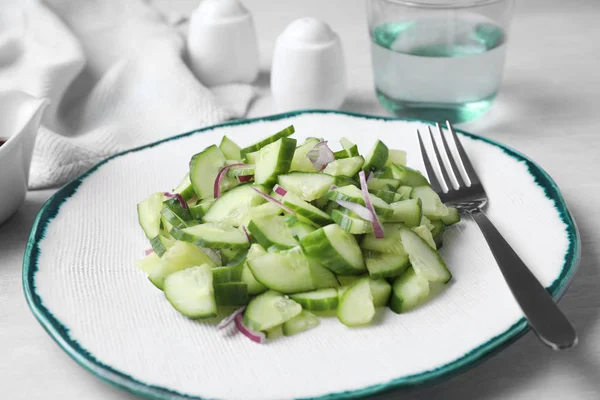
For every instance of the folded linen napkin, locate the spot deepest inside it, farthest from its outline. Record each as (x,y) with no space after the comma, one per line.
(115,74)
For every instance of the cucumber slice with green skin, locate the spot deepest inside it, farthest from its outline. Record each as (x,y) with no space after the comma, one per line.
(408,176)
(185,188)
(175,206)
(347,280)
(308,186)
(160,244)
(201,208)
(343,180)
(204,168)
(350,147)
(286,271)
(175,220)
(148,263)
(340,155)
(351,223)
(406,191)
(299,229)
(271,231)
(318,300)
(432,205)
(233,206)
(321,276)
(345,167)
(397,157)
(383,184)
(265,142)
(254,287)
(388,196)
(166,227)
(354,194)
(452,217)
(381,291)
(234,172)
(149,214)
(426,222)
(305,209)
(408,291)
(273,160)
(377,158)
(301,162)
(426,261)
(356,306)
(228,274)
(230,149)
(264,210)
(336,249)
(408,212)
(385,265)
(180,256)
(390,243)
(213,236)
(251,158)
(269,310)
(229,255)
(426,235)
(438,227)
(231,294)
(190,292)
(300,323)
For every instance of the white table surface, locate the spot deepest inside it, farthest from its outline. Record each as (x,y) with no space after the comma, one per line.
(547,109)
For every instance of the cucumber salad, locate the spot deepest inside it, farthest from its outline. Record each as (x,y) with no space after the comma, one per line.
(283,232)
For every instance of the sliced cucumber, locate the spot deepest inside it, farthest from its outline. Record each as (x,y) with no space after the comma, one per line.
(438,227)
(212,235)
(190,292)
(269,310)
(385,265)
(356,306)
(354,194)
(230,149)
(408,212)
(300,323)
(390,243)
(176,214)
(148,263)
(350,148)
(287,271)
(231,293)
(305,209)
(408,291)
(383,184)
(271,139)
(425,260)
(201,208)
(348,280)
(234,172)
(431,203)
(388,196)
(232,255)
(408,176)
(299,229)
(381,291)
(318,300)
(308,186)
(272,231)
(149,214)
(273,160)
(345,167)
(425,234)
(321,276)
(228,274)
(377,157)
(397,157)
(340,155)
(343,180)
(335,249)
(452,217)
(233,206)
(251,157)
(351,222)
(301,162)
(185,188)
(160,244)
(254,286)
(204,168)
(180,256)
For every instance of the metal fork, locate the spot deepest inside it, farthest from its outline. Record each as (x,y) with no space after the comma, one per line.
(544,316)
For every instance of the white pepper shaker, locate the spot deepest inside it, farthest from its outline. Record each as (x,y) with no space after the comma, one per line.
(308,67)
(222,44)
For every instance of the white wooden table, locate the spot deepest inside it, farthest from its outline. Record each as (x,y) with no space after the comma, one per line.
(547,109)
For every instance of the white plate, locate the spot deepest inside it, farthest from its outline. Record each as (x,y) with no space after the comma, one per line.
(81,283)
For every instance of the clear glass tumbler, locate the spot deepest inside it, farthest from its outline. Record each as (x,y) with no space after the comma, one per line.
(438,59)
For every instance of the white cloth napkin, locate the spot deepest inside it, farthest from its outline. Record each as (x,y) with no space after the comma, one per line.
(115,74)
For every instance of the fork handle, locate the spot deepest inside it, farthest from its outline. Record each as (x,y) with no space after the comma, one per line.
(544,316)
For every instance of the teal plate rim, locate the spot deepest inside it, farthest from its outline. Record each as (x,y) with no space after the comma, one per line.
(60,333)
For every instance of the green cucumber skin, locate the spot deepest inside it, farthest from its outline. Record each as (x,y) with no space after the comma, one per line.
(271,139)
(443,275)
(204,168)
(175,206)
(317,246)
(149,214)
(201,208)
(185,188)
(452,218)
(408,176)
(306,210)
(283,162)
(230,149)
(258,228)
(350,317)
(409,212)
(227,274)
(180,234)
(399,300)
(231,294)
(381,291)
(326,304)
(377,158)
(350,224)
(395,264)
(161,244)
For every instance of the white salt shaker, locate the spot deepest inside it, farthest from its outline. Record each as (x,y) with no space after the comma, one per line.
(308,67)
(222,44)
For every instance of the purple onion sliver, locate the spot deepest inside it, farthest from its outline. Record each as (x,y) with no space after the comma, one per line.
(273,200)
(244,178)
(377,228)
(279,190)
(358,209)
(221,176)
(228,320)
(257,337)
(246,233)
(148,252)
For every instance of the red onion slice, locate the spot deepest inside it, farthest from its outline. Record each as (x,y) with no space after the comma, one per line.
(273,200)
(228,320)
(358,209)
(148,252)
(246,233)
(245,178)
(257,337)
(221,176)
(320,156)
(377,228)
(279,190)
(182,202)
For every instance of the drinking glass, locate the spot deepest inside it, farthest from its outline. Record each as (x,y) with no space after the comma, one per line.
(438,59)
